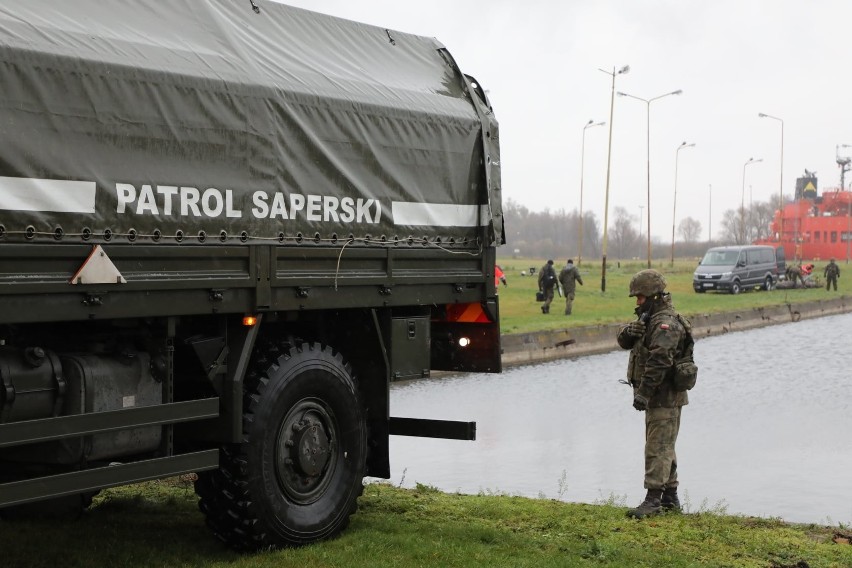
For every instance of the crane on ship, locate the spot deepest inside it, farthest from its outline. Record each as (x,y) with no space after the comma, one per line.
(843,163)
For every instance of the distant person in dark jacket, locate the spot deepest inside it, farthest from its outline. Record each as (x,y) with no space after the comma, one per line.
(568,278)
(547,281)
(832,273)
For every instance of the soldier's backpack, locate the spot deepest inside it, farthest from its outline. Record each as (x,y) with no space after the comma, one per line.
(549,278)
(685,369)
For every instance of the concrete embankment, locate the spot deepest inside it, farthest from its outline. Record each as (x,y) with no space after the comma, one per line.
(523,348)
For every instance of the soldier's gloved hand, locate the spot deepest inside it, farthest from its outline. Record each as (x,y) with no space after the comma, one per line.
(635,329)
(640,402)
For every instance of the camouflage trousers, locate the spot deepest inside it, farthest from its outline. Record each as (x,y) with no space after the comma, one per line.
(569,301)
(548,298)
(831,279)
(661,428)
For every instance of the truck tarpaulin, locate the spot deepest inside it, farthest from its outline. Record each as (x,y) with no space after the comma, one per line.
(153,118)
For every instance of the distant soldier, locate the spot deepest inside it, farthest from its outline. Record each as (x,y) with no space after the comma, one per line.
(656,339)
(568,277)
(795,273)
(832,273)
(547,280)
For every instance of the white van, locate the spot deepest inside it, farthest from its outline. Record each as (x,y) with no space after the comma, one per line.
(738,268)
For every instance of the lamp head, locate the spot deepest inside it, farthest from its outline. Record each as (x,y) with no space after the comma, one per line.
(761,115)
(623,70)
(678,92)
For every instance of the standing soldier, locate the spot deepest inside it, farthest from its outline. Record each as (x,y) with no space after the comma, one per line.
(568,277)
(547,280)
(654,347)
(832,273)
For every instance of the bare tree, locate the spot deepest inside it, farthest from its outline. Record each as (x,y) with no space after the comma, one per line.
(624,235)
(732,223)
(760,215)
(689,230)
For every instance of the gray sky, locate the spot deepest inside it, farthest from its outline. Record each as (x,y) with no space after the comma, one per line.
(732,59)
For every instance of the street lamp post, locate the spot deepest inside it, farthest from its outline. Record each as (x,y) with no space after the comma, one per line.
(742,200)
(648,151)
(844,167)
(589,124)
(709,214)
(780,177)
(613,74)
(674,205)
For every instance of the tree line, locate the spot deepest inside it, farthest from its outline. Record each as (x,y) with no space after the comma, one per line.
(556,234)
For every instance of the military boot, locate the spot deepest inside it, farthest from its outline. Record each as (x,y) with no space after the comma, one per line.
(669,500)
(649,507)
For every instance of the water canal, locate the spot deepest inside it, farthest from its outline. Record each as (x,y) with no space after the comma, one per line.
(766,433)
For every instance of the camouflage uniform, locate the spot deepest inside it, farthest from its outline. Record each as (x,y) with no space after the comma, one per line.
(568,277)
(546,287)
(831,273)
(650,370)
(795,273)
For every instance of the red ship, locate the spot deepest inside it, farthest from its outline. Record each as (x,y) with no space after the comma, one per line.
(815,226)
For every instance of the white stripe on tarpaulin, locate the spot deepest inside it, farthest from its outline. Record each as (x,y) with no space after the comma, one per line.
(437,214)
(55,195)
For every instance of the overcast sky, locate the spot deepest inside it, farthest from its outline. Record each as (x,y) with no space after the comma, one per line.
(540,62)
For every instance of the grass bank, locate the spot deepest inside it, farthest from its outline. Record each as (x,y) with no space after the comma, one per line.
(520,313)
(157,524)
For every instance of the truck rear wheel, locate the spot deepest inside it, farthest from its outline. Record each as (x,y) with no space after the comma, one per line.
(298,474)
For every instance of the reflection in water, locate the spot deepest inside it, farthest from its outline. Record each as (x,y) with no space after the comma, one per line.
(765,433)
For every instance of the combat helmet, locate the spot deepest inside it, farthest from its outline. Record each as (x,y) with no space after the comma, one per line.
(647,282)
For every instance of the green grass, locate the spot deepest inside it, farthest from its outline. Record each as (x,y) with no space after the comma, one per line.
(157,524)
(520,313)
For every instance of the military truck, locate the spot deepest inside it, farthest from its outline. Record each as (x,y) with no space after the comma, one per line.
(225,228)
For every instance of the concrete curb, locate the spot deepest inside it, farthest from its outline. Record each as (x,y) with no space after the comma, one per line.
(525,348)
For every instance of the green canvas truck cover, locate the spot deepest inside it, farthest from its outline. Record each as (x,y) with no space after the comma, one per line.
(154,118)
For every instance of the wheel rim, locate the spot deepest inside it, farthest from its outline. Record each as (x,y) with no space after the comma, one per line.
(306,454)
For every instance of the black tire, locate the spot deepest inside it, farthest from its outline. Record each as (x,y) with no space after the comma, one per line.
(700,290)
(735,287)
(297,475)
(767,284)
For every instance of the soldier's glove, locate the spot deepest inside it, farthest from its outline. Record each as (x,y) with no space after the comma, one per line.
(640,402)
(635,329)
